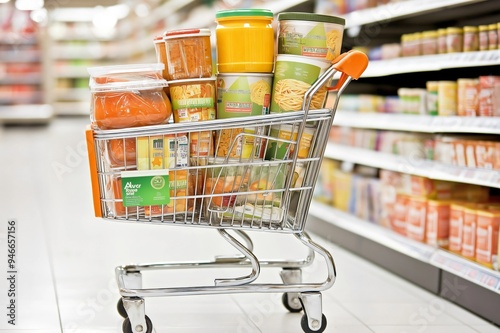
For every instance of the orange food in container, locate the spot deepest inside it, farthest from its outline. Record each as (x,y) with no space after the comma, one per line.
(469,233)
(456,227)
(128,96)
(188,54)
(438,223)
(416,218)
(488,223)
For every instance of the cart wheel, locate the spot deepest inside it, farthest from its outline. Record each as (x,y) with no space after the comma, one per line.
(295,306)
(127,327)
(121,308)
(305,325)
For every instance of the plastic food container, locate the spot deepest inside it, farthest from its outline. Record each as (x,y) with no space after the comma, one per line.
(243,94)
(310,35)
(193,99)
(293,76)
(161,55)
(128,96)
(240,143)
(279,150)
(245,41)
(188,54)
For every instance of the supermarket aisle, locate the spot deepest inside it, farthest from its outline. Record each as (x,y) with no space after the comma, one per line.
(66,260)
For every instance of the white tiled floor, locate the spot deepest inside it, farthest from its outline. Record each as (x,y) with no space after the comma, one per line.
(67,258)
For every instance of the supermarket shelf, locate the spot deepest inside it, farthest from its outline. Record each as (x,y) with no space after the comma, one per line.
(399,10)
(71,108)
(418,167)
(71,72)
(26,114)
(476,288)
(32,78)
(21,98)
(72,94)
(429,63)
(20,56)
(418,123)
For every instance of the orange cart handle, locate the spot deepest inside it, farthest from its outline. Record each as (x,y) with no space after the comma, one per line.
(351,64)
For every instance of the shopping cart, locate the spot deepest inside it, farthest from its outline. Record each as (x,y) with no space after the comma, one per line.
(261,181)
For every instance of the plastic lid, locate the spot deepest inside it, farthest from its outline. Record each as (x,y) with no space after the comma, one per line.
(124,69)
(311,17)
(244,12)
(186,33)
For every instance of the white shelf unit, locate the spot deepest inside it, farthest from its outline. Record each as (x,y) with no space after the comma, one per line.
(466,269)
(432,268)
(26,114)
(418,123)
(430,63)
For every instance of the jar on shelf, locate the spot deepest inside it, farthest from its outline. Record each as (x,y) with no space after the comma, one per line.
(441,41)
(432,97)
(429,42)
(471,39)
(468,97)
(417,44)
(483,38)
(447,98)
(161,55)
(492,36)
(454,39)
(405,39)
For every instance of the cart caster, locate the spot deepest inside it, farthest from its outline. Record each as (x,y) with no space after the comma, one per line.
(291,301)
(307,329)
(127,327)
(121,308)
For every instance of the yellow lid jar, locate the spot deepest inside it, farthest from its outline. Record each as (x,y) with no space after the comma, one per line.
(245,41)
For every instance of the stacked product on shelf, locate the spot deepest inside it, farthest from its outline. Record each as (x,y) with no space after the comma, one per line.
(462,218)
(347,6)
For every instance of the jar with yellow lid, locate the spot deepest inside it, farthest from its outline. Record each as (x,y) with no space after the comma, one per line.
(471,39)
(483,38)
(245,41)
(429,42)
(442,41)
(454,39)
(492,37)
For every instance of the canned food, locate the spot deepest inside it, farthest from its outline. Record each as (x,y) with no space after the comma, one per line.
(310,35)
(243,94)
(245,41)
(193,99)
(279,150)
(188,54)
(293,76)
(468,97)
(447,98)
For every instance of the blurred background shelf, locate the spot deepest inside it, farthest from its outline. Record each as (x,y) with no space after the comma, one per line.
(26,114)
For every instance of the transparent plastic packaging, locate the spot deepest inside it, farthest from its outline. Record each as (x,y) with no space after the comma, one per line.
(128,96)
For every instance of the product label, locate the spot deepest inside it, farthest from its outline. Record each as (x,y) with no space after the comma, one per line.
(145,188)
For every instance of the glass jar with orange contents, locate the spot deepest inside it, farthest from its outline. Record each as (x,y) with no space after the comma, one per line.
(189,54)
(245,41)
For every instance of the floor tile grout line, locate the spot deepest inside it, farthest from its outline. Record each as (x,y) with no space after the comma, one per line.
(244,312)
(349,312)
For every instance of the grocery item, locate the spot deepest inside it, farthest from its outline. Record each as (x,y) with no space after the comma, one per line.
(492,36)
(485,154)
(240,143)
(488,223)
(447,98)
(310,35)
(293,76)
(416,218)
(438,223)
(243,94)
(244,41)
(161,55)
(114,191)
(128,96)
(432,97)
(454,40)
(471,39)
(468,248)
(496,156)
(487,86)
(400,215)
(483,38)
(429,42)
(441,40)
(121,152)
(193,99)
(456,227)
(468,97)
(279,150)
(188,54)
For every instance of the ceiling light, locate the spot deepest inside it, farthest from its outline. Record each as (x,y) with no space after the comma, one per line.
(142,10)
(39,15)
(104,18)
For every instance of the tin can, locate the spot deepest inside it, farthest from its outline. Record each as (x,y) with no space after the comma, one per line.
(293,76)
(447,98)
(468,97)
(245,41)
(243,94)
(240,143)
(310,35)
(279,150)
